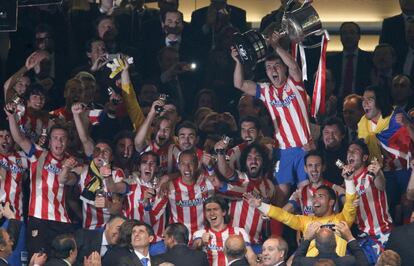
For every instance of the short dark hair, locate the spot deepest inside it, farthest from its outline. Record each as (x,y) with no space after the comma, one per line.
(252,119)
(124,134)
(113,217)
(35,89)
(4,126)
(88,45)
(329,190)
(164,14)
(2,239)
(273,56)
(43,27)
(148,153)
(188,152)
(57,127)
(224,205)
(179,232)
(62,245)
(350,23)
(314,153)
(337,122)
(125,231)
(361,143)
(382,99)
(261,150)
(107,142)
(186,124)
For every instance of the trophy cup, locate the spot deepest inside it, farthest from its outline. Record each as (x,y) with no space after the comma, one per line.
(296,24)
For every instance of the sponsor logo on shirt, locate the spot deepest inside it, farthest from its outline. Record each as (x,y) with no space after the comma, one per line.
(52,168)
(191,203)
(285,102)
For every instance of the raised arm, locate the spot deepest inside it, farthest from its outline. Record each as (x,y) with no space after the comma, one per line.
(225,170)
(141,135)
(247,86)
(66,176)
(379,179)
(21,140)
(33,59)
(78,110)
(294,70)
(128,94)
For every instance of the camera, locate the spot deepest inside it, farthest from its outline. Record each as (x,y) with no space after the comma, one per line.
(112,56)
(111,91)
(329,226)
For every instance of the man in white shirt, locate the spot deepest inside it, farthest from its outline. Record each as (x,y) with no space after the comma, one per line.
(141,237)
(274,252)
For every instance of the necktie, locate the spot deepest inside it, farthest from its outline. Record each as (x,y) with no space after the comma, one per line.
(173,43)
(349,74)
(144,261)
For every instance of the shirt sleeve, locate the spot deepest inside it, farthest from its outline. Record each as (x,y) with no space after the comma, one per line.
(133,108)
(349,211)
(293,221)
(198,234)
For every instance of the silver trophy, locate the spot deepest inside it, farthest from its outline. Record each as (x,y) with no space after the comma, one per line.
(297,24)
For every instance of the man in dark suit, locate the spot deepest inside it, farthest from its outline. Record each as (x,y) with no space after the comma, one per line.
(89,241)
(176,240)
(393,28)
(8,237)
(235,251)
(400,241)
(274,252)
(352,66)
(326,244)
(174,33)
(142,235)
(207,22)
(64,251)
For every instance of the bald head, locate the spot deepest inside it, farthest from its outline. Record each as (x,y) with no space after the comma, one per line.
(235,247)
(325,240)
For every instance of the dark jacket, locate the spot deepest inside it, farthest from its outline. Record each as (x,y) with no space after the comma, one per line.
(357,258)
(182,255)
(363,70)
(401,241)
(87,241)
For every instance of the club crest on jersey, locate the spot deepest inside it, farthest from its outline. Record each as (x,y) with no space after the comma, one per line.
(307,210)
(52,168)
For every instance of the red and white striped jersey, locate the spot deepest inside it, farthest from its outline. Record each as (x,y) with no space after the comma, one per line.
(304,196)
(135,208)
(12,169)
(234,155)
(92,217)
(372,215)
(31,126)
(186,202)
(215,247)
(162,153)
(242,214)
(64,115)
(47,195)
(289,112)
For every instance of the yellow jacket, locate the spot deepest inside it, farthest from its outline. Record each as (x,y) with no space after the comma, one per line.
(133,108)
(301,222)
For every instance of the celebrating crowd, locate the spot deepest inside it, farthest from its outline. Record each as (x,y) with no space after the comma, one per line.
(131,137)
